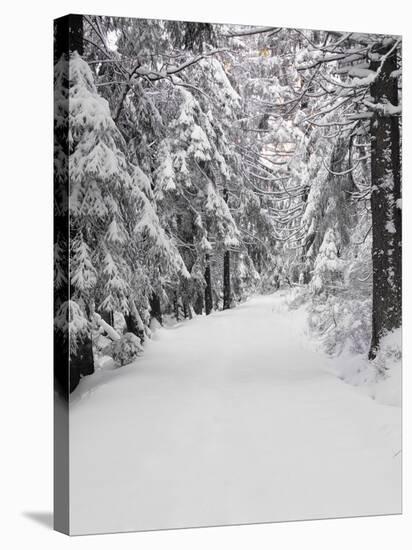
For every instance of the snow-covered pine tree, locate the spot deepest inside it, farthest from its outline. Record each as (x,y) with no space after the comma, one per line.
(328,268)
(73,344)
(115,231)
(362,78)
(99,174)
(232,165)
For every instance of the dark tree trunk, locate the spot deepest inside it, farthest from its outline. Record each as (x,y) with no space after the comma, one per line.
(81,362)
(108,317)
(133,326)
(187,292)
(198,304)
(186,309)
(208,288)
(226,281)
(176,306)
(226,269)
(155,309)
(386,213)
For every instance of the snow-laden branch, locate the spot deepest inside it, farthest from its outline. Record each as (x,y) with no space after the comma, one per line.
(327,111)
(366,115)
(326,47)
(279,195)
(385,108)
(349,170)
(105,327)
(371,76)
(184,84)
(153,75)
(348,57)
(254,30)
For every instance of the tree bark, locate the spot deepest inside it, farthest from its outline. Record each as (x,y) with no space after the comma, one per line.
(176,305)
(134,323)
(226,281)
(155,309)
(108,317)
(226,269)
(81,362)
(208,288)
(198,304)
(385,206)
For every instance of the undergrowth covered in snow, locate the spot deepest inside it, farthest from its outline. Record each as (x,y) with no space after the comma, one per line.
(126,349)
(342,328)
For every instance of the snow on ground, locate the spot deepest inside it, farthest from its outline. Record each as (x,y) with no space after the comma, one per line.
(381,379)
(230,418)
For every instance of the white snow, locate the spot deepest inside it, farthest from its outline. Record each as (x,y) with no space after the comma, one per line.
(390,227)
(105,327)
(230,418)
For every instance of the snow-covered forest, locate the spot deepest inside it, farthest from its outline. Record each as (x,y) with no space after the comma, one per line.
(225,167)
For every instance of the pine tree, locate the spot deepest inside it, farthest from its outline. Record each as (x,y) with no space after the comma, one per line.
(208,162)
(328,267)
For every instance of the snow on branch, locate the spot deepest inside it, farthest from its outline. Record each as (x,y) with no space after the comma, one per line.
(105,327)
(349,170)
(254,30)
(157,75)
(385,108)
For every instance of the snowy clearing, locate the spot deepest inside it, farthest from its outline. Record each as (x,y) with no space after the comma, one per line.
(228,419)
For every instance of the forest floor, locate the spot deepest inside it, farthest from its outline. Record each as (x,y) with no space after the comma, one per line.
(228,419)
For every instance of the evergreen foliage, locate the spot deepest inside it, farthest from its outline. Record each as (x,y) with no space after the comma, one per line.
(207,163)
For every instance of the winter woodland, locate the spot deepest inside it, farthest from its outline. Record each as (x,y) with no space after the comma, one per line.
(230,292)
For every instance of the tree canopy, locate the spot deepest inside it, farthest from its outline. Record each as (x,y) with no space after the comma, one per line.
(208,162)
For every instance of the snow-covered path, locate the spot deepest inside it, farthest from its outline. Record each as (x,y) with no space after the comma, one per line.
(230,418)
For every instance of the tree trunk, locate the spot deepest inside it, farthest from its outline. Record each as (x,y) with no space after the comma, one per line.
(155,309)
(81,362)
(226,269)
(385,206)
(226,280)
(176,306)
(198,304)
(134,323)
(108,317)
(208,288)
